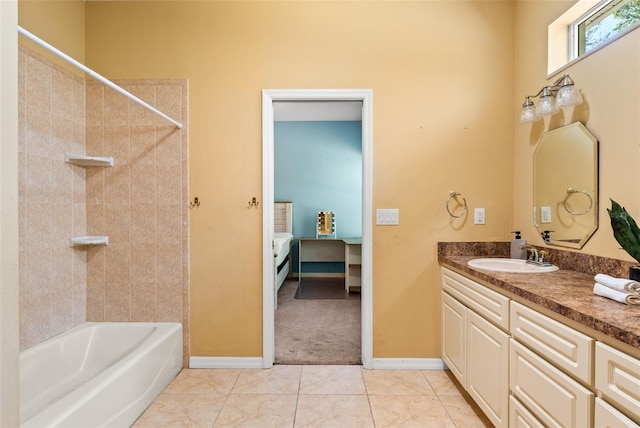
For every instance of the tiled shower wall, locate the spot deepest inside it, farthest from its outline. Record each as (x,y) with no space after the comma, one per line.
(140,204)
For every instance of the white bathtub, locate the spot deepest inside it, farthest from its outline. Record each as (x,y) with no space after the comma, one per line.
(98,374)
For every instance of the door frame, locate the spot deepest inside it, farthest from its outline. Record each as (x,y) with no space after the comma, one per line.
(268,293)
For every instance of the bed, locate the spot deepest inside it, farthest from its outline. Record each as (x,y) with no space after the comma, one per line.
(282,244)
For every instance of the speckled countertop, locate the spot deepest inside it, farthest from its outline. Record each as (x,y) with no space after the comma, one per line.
(566,292)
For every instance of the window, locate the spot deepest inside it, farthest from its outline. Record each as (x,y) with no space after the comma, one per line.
(607,20)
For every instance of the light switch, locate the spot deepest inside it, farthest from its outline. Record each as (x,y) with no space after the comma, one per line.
(388,217)
(545,214)
(478,217)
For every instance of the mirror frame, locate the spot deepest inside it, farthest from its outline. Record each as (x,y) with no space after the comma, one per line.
(570,200)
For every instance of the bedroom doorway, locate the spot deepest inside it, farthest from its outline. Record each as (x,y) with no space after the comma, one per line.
(334,96)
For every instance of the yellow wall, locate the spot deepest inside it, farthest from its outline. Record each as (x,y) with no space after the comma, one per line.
(59,23)
(442,79)
(609,80)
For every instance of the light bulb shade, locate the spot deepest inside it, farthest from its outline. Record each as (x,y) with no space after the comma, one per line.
(528,114)
(547,106)
(568,96)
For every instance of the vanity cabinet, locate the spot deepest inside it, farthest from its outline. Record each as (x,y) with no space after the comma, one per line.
(528,369)
(474,346)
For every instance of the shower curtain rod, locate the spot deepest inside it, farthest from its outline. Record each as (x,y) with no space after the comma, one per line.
(95,75)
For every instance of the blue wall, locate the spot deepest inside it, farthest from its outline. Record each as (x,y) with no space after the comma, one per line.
(318,167)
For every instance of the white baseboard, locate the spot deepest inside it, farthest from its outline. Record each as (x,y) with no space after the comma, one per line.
(225,362)
(409,364)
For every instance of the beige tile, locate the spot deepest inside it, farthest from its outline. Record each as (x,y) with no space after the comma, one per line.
(333,411)
(332,380)
(117,183)
(143,301)
(257,410)
(143,261)
(169,146)
(117,144)
(139,114)
(170,303)
(444,382)
(143,184)
(117,301)
(169,224)
(95,104)
(204,381)
(117,263)
(276,380)
(116,108)
(117,220)
(37,130)
(169,99)
(409,411)
(62,94)
(168,184)
(170,263)
(464,412)
(182,410)
(396,382)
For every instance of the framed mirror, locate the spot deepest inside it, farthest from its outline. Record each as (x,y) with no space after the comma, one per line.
(565,186)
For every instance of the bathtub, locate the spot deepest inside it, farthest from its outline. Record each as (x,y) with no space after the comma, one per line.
(98,374)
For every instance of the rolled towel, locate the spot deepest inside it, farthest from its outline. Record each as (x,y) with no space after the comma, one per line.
(618,296)
(620,284)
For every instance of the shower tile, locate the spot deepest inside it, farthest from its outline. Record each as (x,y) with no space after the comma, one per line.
(22,67)
(117,184)
(95,186)
(61,308)
(39,172)
(139,114)
(117,221)
(22,127)
(143,184)
(95,141)
(61,225)
(117,264)
(39,223)
(169,99)
(143,301)
(22,178)
(170,265)
(169,185)
(143,145)
(95,264)
(79,184)
(170,302)
(79,267)
(117,301)
(169,224)
(116,108)
(78,144)
(169,149)
(117,144)
(79,303)
(37,131)
(95,220)
(95,301)
(61,138)
(143,223)
(38,83)
(62,94)
(143,258)
(61,182)
(79,101)
(94,104)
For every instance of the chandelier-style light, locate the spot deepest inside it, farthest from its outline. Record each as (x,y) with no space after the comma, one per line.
(562,93)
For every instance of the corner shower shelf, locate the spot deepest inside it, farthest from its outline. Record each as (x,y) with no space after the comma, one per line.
(89,240)
(84,160)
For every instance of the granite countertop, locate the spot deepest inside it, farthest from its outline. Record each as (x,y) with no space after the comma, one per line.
(566,292)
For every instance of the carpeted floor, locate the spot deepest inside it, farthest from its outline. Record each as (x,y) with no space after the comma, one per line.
(316,331)
(324,288)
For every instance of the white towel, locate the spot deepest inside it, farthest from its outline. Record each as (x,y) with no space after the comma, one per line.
(620,284)
(618,296)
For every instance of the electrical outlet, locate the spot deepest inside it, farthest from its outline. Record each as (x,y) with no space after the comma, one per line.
(478,217)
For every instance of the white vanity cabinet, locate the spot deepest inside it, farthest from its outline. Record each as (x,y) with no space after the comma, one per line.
(474,346)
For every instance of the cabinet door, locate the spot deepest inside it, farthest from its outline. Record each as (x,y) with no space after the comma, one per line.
(608,417)
(552,396)
(454,345)
(520,417)
(488,368)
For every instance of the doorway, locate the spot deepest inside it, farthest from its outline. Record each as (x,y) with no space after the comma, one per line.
(268,98)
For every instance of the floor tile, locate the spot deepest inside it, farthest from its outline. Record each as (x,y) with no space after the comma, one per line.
(396,382)
(204,381)
(332,380)
(330,411)
(443,382)
(464,412)
(407,411)
(182,410)
(276,380)
(258,410)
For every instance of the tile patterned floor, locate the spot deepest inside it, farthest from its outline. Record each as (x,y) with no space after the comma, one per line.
(313,396)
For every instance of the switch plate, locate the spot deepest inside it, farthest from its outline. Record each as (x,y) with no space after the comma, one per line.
(478,217)
(388,217)
(545,214)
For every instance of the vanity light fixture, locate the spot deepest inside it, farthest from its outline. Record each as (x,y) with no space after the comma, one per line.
(562,93)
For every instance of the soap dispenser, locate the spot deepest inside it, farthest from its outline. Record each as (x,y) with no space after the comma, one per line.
(517,252)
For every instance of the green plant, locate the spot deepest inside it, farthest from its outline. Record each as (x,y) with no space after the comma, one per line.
(625,229)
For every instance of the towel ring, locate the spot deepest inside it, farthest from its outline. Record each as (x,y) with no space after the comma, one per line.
(571,191)
(454,195)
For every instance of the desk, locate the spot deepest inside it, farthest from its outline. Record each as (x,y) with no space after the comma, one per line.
(347,250)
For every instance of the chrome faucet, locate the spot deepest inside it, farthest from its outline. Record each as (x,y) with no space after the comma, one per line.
(537,257)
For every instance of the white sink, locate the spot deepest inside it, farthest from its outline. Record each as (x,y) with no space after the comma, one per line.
(509,265)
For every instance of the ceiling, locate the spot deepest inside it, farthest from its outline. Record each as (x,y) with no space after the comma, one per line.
(317,111)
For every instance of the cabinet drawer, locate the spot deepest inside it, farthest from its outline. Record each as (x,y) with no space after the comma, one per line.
(519,416)
(552,396)
(491,305)
(606,416)
(618,378)
(565,347)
